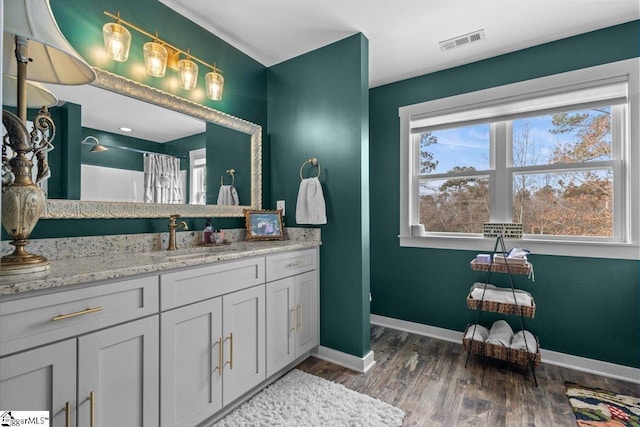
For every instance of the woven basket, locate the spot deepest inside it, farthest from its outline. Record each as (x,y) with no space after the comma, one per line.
(475,345)
(500,267)
(524,358)
(519,357)
(496,351)
(501,307)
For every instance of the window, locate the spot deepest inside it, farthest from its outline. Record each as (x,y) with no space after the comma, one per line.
(198,176)
(553,154)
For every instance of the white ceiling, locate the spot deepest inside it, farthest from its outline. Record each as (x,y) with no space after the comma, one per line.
(108,111)
(403,34)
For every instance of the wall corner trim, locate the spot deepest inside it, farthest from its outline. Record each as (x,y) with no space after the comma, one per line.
(592,366)
(359,364)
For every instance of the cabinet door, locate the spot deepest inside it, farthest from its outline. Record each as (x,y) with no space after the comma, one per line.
(306,312)
(244,331)
(119,366)
(191,381)
(41,380)
(280,324)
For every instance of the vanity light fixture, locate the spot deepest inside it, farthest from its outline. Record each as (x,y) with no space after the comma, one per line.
(31,39)
(97,147)
(117,40)
(159,55)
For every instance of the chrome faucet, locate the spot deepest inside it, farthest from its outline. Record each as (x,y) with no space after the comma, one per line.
(172,231)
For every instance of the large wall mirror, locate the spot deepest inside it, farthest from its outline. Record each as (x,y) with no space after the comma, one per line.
(237,149)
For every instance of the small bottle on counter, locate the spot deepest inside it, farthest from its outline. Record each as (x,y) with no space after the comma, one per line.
(208,230)
(217,237)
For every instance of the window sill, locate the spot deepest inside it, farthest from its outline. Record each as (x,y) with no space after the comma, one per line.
(536,246)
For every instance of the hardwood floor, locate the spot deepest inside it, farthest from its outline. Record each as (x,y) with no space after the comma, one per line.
(426,378)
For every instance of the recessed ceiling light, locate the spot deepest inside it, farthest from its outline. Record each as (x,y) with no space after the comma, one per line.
(126,129)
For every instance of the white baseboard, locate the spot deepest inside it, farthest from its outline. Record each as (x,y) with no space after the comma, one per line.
(355,363)
(612,370)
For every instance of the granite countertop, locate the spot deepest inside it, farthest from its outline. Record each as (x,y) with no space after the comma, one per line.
(71,271)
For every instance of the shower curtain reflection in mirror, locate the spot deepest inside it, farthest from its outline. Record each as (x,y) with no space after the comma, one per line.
(162,183)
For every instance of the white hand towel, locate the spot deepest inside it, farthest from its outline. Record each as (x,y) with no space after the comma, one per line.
(310,208)
(477,332)
(228,195)
(502,296)
(500,334)
(524,340)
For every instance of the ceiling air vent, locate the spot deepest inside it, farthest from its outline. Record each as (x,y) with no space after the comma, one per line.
(461,40)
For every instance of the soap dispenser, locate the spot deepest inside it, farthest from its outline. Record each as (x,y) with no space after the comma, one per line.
(206,234)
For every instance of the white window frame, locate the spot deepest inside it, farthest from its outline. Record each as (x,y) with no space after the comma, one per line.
(505,100)
(195,155)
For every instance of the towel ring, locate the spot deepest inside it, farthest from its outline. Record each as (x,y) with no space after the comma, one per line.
(313,162)
(231,172)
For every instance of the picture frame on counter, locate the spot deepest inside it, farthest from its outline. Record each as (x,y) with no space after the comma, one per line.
(264,224)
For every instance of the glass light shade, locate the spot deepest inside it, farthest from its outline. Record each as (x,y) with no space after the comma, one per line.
(214,83)
(53,58)
(117,41)
(155,58)
(187,73)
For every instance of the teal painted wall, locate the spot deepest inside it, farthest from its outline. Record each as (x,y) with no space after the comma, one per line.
(245,94)
(318,107)
(114,157)
(228,149)
(585,307)
(64,160)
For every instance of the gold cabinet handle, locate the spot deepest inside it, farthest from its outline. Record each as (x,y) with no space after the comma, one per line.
(220,357)
(77,313)
(92,409)
(295,264)
(293,315)
(230,361)
(67,414)
(301,315)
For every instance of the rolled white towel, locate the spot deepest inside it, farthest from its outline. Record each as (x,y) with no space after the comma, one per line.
(524,340)
(500,334)
(502,296)
(480,285)
(477,332)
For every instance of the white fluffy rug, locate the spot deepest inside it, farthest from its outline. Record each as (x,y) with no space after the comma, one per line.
(300,399)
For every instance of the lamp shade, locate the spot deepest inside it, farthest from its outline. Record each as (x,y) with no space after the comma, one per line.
(155,58)
(215,85)
(54,59)
(117,41)
(37,95)
(187,74)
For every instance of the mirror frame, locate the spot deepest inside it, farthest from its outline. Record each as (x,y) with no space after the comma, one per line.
(69,209)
